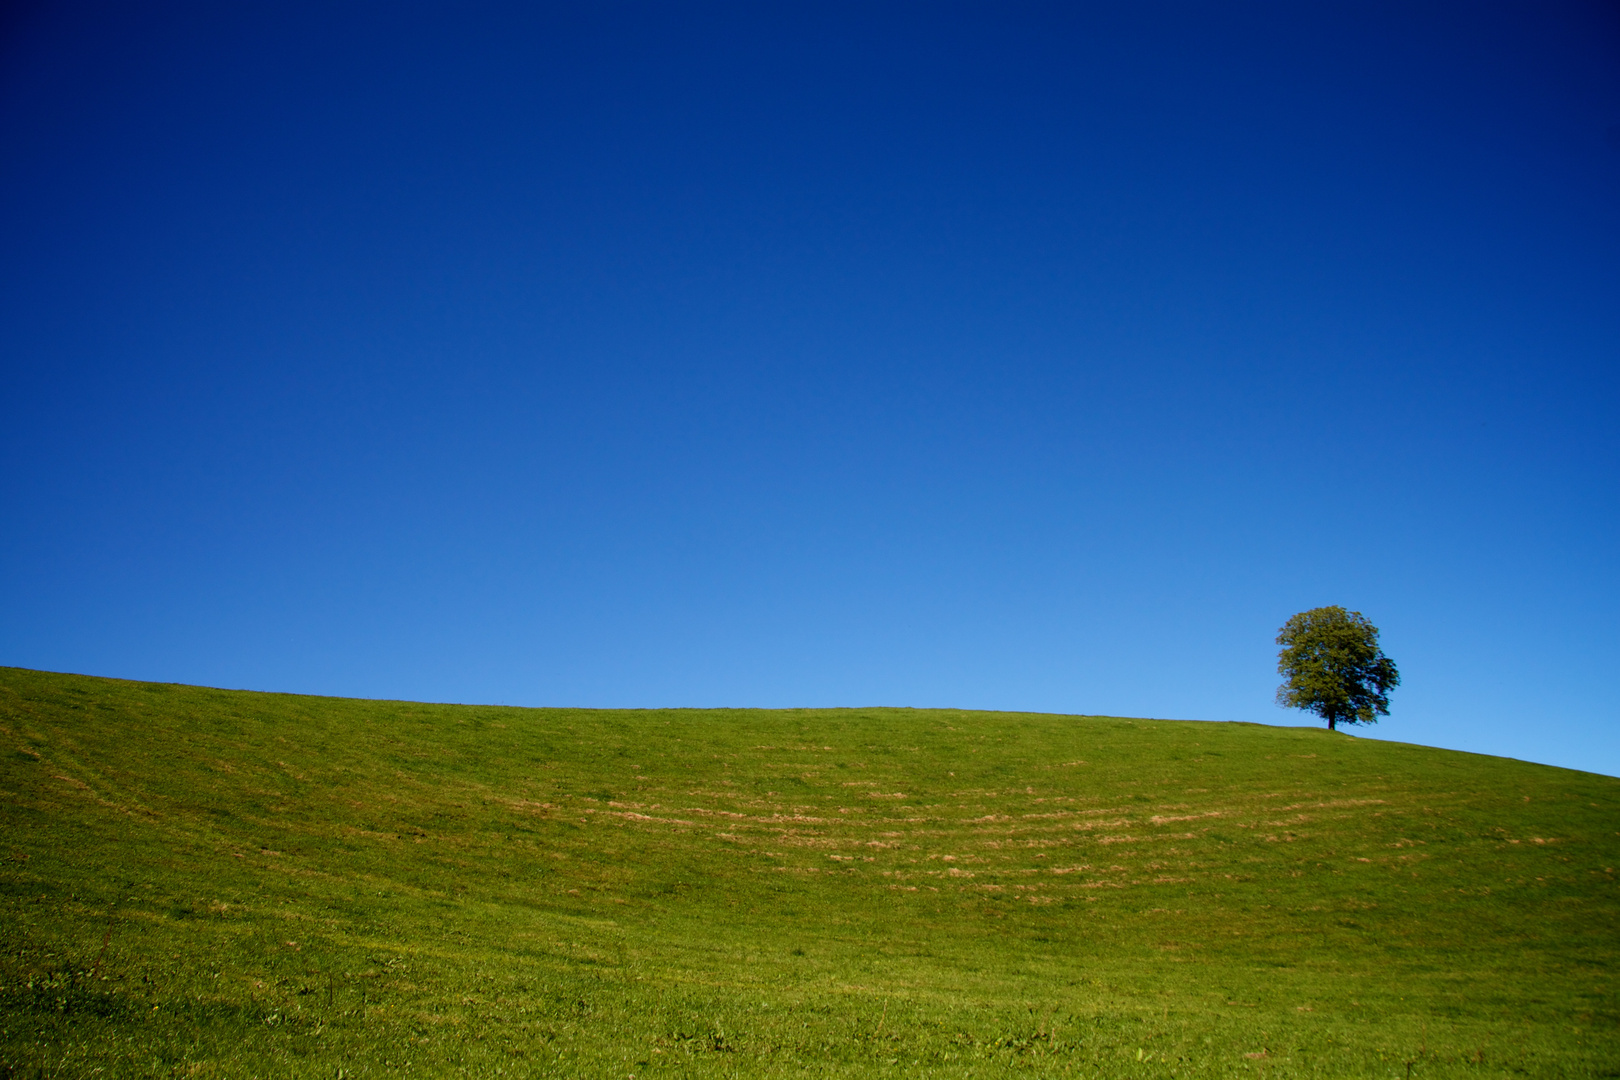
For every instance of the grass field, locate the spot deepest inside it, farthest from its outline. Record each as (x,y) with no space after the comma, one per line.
(209,883)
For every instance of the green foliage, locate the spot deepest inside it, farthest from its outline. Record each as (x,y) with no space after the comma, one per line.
(204,883)
(1333,667)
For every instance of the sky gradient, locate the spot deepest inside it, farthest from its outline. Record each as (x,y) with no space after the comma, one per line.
(989,356)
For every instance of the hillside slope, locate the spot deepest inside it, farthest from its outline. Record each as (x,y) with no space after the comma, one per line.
(211,883)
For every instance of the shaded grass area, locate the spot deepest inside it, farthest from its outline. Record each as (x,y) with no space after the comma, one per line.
(198,882)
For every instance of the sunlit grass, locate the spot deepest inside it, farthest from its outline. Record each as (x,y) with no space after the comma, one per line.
(209,883)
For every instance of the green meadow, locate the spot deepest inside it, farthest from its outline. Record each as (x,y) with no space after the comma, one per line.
(211,883)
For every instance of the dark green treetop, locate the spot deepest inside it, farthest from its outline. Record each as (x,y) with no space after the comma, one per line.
(1331,664)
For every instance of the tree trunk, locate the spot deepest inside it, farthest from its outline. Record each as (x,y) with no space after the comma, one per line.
(1331,722)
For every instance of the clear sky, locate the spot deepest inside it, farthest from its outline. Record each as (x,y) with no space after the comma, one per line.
(1037,357)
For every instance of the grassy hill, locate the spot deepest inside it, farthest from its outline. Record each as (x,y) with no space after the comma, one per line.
(209,883)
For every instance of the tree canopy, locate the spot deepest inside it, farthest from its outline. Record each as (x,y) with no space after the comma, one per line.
(1332,666)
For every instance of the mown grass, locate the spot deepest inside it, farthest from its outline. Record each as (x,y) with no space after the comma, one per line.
(209,883)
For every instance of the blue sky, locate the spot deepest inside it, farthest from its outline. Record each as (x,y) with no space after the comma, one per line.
(991,356)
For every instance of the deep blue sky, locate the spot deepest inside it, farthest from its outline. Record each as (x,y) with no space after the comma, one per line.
(996,356)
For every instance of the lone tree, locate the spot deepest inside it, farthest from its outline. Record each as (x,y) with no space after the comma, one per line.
(1332,665)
